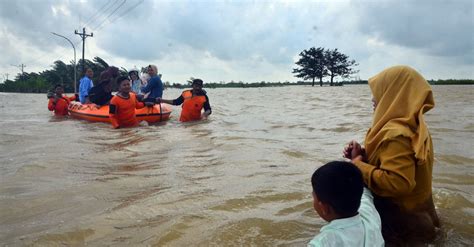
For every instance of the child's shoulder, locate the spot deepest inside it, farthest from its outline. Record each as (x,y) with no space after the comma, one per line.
(327,238)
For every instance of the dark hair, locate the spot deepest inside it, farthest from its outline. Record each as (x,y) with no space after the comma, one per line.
(57,85)
(197,81)
(86,69)
(339,184)
(121,79)
(108,74)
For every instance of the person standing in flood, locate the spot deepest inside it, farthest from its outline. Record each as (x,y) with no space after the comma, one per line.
(397,161)
(58,102)
(193,101)
(123,105)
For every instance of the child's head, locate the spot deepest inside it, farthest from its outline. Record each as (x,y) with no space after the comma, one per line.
(145,77)
(123,84)
(337,190)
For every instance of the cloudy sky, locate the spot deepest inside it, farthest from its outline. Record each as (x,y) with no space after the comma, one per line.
(240,40)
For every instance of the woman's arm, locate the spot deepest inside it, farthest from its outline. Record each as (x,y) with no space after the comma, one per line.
(395,176)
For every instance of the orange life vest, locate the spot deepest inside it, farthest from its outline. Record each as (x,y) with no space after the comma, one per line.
(192,106)
(122,111)
(60,107)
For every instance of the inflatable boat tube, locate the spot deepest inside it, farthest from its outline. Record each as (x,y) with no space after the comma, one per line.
(94,113)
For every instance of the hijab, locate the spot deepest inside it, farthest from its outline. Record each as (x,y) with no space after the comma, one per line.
(402,96)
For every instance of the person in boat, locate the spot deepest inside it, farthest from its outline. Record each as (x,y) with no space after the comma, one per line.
(397,161)
(102,93)
(58,103)
(85,84)
(136,82)
(123,104)
(193,102)
(154,86)
(339,197)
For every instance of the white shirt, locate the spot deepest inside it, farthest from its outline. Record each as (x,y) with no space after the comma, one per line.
(363,229)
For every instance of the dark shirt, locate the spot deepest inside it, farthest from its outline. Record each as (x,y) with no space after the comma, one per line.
(206,106)
(99,96)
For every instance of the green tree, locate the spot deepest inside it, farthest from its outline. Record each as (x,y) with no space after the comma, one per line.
(60,73)
(338,64)
(311,65)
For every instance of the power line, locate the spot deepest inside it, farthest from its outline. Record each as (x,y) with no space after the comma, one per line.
(99,11)
(124,13)
(113,12)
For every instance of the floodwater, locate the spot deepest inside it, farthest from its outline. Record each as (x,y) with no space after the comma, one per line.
(241,178)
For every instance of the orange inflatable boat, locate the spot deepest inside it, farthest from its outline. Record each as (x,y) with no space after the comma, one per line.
(94,113)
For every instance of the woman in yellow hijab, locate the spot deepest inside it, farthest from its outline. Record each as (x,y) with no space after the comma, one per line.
(397,160)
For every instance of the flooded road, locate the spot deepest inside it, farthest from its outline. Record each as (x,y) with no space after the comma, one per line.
(240,178)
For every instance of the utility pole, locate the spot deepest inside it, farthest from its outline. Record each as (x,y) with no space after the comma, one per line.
(22,67)
(83,35)
(6,75)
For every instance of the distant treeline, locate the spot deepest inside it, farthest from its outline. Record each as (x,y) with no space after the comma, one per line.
(242,84)
(62,73)
(451,82)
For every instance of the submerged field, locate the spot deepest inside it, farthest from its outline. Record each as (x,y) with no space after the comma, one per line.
(240,178)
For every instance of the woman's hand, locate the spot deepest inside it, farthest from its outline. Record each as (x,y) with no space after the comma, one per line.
(354,151)
(347,151)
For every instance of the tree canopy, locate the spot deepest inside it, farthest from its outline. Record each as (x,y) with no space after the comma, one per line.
(60,73)
(312,65)
(319,62)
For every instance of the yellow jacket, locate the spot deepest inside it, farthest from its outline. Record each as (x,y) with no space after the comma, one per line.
(395,175)
(402,191)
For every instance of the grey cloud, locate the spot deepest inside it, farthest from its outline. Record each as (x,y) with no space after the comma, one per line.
(440,28)
(227,31)
(33,21)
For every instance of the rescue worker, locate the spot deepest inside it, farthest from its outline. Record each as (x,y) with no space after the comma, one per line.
(59,102)
(123,105)
(193,102)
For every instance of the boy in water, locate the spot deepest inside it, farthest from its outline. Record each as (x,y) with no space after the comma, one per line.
(123,105)
(59,102)
(340,198)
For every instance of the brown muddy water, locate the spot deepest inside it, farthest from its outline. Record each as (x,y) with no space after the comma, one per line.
(241,178)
